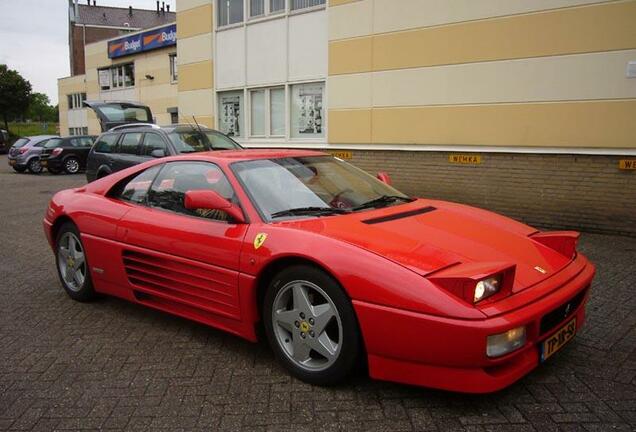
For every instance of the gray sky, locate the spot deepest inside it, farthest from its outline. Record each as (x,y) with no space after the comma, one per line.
(34,35)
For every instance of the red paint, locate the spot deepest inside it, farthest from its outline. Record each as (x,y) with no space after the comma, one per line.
(403,276)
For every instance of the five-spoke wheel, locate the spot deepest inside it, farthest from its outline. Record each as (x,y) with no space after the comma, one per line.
(311,325)
(72,266)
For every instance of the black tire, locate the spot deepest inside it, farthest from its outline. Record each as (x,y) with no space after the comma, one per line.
(82,292)
(19,169)
(350,344)
(34,166)
(71,165)
(54,170)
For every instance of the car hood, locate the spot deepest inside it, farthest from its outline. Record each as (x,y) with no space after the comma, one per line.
(426,236)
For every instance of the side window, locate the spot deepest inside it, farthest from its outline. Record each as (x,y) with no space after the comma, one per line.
(221,142)
(41,143)
(153,142)
(85,142)
(135,189)
(130,143)
(169,188)
(106,143)
(75,142)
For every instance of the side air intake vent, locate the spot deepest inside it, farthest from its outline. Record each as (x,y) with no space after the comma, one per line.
(399,215)
(181,286)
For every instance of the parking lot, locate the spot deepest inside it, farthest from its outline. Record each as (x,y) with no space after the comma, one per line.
(115,365)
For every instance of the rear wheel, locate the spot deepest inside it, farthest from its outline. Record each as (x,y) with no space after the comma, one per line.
(71,165)
(311,325)
(34,166)
(72,266)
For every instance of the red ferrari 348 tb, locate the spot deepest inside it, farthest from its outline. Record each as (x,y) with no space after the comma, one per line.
(338,266)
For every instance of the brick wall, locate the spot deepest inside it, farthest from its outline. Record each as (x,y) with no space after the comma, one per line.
(581,192)
(92,34)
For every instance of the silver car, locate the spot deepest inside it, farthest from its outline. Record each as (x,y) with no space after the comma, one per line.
(25,153)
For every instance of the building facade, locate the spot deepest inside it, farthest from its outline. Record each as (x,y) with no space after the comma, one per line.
(522,107)
(88,23)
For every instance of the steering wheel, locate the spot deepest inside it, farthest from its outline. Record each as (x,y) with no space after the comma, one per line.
(339,201)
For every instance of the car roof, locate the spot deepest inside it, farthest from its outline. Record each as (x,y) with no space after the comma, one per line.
(245,155)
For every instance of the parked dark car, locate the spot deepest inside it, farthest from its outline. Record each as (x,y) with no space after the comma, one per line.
(4,141)
(130,138)
(25,153)
(66,154)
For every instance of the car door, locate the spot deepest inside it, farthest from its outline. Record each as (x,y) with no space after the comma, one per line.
(154,146)
(180,260)
(82,147)
(128,153)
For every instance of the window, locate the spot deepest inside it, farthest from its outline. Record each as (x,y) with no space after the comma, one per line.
(265,7)
(76,100)
(169,188)
(276,5)
(267,112)
(82,142)
(106,143)
(174,117)
(130,143)
(302,4)
(307,110)
(120,76)
(154,142)
(231,113)
(257,112)
(78,131)
(190,141)
(173,68)
(136,189)
(229,12)
(257,7)
(53,142)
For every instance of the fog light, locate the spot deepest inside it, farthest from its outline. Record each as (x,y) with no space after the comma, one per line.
(504,343)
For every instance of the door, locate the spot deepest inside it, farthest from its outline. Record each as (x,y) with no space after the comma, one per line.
(81,147)
(111,114)
(128,153)
(184,261)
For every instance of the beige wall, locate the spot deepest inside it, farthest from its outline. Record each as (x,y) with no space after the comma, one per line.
(196,68)
(546,73)
(66,86)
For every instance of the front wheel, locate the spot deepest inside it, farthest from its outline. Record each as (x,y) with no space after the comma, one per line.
(71,165)
(34,166)
(72,266)
(311,325)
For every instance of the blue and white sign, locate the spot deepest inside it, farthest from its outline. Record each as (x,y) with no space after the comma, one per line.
(152,39)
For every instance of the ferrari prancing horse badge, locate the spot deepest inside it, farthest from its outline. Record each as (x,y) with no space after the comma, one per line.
(259,240)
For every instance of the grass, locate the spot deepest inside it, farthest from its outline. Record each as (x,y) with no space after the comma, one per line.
(32,128)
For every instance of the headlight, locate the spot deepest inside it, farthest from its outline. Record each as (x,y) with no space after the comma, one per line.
(485,288)
(504,343)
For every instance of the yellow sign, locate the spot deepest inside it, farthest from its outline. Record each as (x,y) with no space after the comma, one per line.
(627,164)
(259,240)
(342,154)
(467,159)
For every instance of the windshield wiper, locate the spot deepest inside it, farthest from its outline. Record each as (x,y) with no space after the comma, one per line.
(313,211)
(381,201)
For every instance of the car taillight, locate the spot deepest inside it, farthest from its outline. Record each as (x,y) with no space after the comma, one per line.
(56,151)
(23,150)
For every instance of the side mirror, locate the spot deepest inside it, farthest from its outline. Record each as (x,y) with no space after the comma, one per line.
(384,177)
(210,200)
(158,153)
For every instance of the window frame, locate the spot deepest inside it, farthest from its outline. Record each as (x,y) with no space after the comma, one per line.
(143,144)
(116,191)
(117,73)
(267,112)
(228,24)
(174,69)
(115,145)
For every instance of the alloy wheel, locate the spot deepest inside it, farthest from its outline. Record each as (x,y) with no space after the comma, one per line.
(34,166)
(307,325)
(71,166)
(71,261)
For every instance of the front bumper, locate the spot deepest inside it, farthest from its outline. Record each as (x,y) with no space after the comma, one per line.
(447,353)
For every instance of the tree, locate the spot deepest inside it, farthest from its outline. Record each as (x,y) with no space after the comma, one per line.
(39,107)
(15,94)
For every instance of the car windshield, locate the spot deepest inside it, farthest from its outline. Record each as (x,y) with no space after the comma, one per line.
(312,186)
(52,143)
(20,143)
(192,141)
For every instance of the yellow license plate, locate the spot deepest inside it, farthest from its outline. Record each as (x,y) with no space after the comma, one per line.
(558,340)
(11,161)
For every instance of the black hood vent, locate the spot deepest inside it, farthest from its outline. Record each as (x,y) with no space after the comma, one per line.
(399,215)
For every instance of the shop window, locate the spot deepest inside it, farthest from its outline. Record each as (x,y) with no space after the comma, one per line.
(231,113)
(173,68)
(307,110)
(229,12)
(267,112)
(257,112)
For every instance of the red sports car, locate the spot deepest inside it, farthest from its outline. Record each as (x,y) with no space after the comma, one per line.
(338,266)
